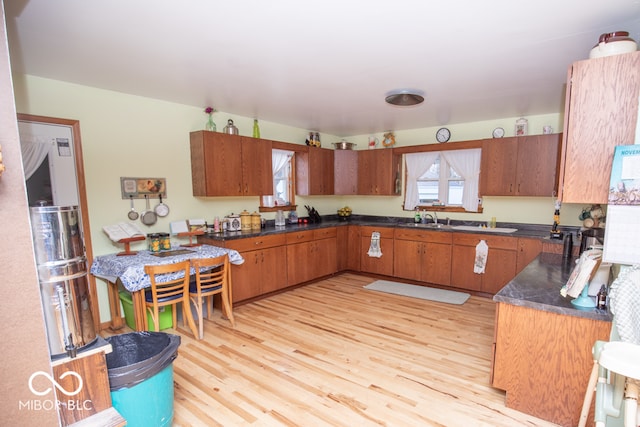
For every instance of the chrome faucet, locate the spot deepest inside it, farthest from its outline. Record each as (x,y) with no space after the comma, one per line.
(435,217)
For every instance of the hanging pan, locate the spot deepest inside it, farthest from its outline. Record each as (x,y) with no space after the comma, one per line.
(133,215)
(161,209)
(148,217)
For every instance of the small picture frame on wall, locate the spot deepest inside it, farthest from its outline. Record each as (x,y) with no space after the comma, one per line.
(522,126)
(137,188)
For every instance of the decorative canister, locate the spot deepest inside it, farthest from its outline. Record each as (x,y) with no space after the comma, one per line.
(230,128)
(165,241)
(233,222)
(153,240)
(245,221)
(255,221)
(613,44)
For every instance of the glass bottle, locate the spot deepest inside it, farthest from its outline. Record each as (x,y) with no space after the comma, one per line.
(256,129)
(210,125)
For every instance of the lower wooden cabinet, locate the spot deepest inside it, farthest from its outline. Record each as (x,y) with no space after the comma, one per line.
(543,361)
(500,266)
(264,268)
(528,250)
(370,264)
(311,254)
(422,255)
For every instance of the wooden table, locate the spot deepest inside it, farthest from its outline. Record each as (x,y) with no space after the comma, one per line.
(128,271)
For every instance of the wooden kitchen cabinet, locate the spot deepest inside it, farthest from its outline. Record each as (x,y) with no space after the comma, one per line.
(230,165)
(311,254)
(384,264)
(314,172)
(543,360)
(500,267)
(264,269)
(422,255)
(520,166)
(379,172)
(353,248)
(601,112)
(345,172)
(528,250)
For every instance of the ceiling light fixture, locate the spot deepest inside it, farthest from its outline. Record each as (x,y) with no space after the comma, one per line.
(404,98)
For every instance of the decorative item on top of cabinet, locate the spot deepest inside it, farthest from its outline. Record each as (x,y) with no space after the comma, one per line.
(601,112)
(230,165)
(210,124)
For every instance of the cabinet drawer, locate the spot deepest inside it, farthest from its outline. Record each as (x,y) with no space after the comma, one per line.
(423,235)
(325,233)
(495,242)
(299,237)
(254,243)
(385,232)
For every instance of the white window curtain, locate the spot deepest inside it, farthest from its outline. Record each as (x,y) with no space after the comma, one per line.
(279,159)
(467,164)
(34,151)
(417,165)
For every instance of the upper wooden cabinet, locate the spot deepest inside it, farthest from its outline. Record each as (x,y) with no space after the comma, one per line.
(314,172)
(520,166)
(379,172)
(230,165)
(601,112)
(345,172)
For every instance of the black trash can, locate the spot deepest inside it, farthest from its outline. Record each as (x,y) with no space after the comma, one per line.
(141,376)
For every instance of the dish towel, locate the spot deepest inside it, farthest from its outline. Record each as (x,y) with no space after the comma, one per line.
(374,248)
(482,250)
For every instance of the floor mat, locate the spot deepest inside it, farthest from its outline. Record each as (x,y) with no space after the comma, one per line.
(415,291)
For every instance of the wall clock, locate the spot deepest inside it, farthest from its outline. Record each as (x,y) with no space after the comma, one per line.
(498,133)
(443,135)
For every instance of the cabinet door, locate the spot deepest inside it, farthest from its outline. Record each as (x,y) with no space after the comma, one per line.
(378,171)
(436,263)
(300,264)
(499,270)
(353,248)
(274,271)
(462,275)
(528,250)
(498,166)
(345,172)
(257,175)
(324,256)
(216,164)
(538,164)
(382,265)
(601,112)
(246,278)
(314,172)
(407,259)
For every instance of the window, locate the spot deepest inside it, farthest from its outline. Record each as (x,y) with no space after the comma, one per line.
(448,178)
(283,193)
(440,184)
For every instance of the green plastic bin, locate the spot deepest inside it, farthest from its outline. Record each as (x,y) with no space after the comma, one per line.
(141,377)
(166,314)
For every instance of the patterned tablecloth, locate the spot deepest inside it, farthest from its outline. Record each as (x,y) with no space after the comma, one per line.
(130,269)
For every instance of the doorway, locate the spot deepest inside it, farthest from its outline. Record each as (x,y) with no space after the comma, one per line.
(59,150)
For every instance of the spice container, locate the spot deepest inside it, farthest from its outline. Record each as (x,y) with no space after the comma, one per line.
(245,221)
(165,241)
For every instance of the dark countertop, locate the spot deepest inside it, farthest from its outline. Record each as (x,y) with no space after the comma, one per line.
(523,230)
(538,286)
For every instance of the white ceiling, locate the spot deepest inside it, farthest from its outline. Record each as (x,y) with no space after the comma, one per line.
(324,66)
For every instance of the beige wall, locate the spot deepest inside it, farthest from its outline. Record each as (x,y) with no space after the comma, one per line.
(24,345)
(130,136)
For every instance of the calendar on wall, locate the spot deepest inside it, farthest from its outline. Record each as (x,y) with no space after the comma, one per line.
(622,236)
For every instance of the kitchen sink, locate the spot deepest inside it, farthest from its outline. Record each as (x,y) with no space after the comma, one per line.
(431,225)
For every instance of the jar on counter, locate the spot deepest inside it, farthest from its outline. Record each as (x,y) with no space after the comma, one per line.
(255,221)
(245,221)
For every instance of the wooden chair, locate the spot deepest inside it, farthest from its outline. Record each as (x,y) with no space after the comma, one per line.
(169,292)
(213,277)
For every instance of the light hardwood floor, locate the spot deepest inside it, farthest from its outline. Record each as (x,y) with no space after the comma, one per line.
(334,354)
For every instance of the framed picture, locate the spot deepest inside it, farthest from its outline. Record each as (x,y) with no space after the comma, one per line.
(521,127)
(137,188)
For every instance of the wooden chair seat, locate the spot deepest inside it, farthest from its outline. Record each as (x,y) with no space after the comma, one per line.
(212,277)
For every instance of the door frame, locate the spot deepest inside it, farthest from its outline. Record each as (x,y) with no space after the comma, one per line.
(82,198)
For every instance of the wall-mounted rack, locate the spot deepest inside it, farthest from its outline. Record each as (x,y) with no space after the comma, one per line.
(138,188)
